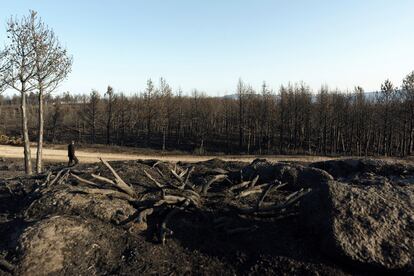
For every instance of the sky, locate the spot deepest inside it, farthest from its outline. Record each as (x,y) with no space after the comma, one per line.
(210,44)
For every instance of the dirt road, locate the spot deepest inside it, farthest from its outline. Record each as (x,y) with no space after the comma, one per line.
(60,155)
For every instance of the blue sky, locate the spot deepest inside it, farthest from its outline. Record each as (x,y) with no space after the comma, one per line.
(208,45)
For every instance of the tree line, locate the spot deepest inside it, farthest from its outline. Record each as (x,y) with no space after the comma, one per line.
(291,120)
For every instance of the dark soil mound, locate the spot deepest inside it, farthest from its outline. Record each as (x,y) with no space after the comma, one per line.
(212,217)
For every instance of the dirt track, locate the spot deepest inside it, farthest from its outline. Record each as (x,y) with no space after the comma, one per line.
(60,155)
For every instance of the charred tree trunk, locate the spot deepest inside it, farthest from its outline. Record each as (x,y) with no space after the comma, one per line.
(411,133)
(109,120)
(240,125)
(163,138)
(39,154)
(25,134)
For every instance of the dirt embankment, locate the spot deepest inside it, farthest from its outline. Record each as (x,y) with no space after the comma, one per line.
(339,217)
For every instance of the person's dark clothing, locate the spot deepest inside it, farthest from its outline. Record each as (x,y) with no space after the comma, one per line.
(71,150)
(71,155)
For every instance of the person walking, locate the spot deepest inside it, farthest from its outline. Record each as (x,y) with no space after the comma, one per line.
(71,154)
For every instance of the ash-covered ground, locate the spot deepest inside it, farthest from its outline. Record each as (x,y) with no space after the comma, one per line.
(342,217)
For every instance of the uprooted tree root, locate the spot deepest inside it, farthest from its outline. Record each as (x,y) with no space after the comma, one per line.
(186,196)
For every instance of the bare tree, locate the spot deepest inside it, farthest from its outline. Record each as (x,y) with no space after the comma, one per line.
(122,117)
(166,108)
(55,118)
(52,65)
(385,98)
(18,60)
(3,64)
(179,103)
(109,113)
(90,114)
(264,119)
(323,117)
(241,91)
(282,117)
(150,111)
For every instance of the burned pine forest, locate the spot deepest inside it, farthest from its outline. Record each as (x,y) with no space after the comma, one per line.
(291,120)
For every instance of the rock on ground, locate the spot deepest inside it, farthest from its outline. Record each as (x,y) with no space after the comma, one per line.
(371,226)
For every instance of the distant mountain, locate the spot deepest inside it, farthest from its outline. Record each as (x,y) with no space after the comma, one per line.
(230,96)
(370,96)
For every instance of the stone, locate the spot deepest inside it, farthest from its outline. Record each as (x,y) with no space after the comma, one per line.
(371,226)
